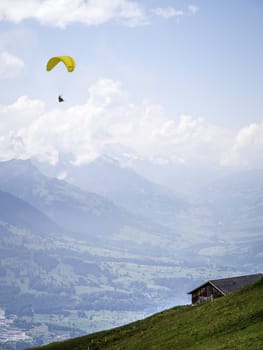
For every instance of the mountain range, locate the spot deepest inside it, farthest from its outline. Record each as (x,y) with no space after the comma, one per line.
(21,214)
(106,246)
(72,209)
(221,217)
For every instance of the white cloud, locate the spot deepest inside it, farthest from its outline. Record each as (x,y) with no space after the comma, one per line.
(214,251)
(105,93)
(247,148)
(170,12)
(106,124)
(10,65)
(19,115)
(167,12)
(193,9)
(61,13)
(109,123)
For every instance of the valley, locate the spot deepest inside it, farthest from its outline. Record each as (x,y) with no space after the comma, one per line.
(60,279)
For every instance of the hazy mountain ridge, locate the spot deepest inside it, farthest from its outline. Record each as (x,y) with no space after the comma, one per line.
(225,218)
(223,211)
(74,210)
(235,205)
(122,185)
(21,214)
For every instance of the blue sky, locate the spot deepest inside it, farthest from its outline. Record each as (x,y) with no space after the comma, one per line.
(162,81)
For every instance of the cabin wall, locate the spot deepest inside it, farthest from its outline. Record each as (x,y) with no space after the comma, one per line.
(205,293)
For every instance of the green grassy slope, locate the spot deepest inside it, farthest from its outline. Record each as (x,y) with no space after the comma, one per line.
(232,322)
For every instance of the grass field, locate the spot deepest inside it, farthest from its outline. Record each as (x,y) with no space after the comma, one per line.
(231,322)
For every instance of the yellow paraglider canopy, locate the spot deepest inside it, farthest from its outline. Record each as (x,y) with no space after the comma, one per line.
(67,60)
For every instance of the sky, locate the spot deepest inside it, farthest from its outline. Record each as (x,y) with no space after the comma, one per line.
(167,82)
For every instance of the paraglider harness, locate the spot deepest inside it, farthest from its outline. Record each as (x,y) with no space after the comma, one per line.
(60,98)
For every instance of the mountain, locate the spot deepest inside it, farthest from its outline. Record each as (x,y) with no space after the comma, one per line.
(238,195)
(234,207)
(17,212)
(88,215)
(232,322)
(78,212)
(122,185)
(221,221)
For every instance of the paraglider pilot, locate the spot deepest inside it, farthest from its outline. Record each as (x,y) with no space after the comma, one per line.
(60,98)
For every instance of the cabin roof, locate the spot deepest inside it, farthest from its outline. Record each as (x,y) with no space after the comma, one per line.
(226,285)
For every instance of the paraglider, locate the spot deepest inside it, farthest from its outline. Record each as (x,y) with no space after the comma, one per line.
(67,60)
(69,63)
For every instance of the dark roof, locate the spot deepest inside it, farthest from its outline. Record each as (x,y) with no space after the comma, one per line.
(226,285)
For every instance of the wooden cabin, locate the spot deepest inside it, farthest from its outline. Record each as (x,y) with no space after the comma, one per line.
(213,289)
